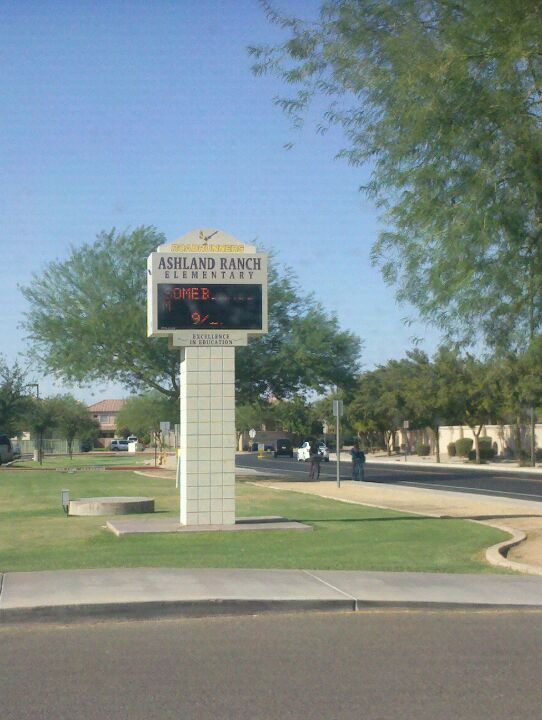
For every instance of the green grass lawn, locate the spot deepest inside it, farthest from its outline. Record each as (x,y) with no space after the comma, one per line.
(36,535)
(86,460)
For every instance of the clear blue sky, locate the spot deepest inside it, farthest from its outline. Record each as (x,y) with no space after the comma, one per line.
(127,113)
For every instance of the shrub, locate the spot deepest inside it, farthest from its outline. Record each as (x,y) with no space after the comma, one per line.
(422,449)
(463,446)
(487,451)
(451,449)
(525,456)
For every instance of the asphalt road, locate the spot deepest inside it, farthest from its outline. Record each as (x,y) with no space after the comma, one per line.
(375,666)
(523,486)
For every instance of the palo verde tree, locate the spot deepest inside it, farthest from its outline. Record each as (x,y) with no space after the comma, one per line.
(442,101)
(87,322)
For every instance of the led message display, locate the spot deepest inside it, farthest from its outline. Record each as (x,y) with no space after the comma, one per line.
(209,307)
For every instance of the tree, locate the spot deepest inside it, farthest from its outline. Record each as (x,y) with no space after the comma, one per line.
(87,322)
(297,416)
(423,391)
(14,399)
(429,390)
(478,392)
(255,415)
(375,407)
(442,100)
(143,414)
(303,350)
(41,417)
(518,378)
(72,420)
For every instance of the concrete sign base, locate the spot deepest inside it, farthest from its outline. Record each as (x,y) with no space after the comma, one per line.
(207,461)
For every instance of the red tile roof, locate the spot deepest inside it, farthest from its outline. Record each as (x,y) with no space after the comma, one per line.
(106,406)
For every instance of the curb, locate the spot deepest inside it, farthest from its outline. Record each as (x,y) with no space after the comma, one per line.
(162,610)
(496,554)
(68,614)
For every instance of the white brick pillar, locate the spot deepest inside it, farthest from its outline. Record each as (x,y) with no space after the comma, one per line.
(207,462)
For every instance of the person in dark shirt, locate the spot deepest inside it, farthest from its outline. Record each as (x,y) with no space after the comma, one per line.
(358,462)
(315,460)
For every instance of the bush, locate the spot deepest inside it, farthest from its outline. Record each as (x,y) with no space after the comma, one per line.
(422,449)
(487,451)
(451,449)
(525,457)
(463,446)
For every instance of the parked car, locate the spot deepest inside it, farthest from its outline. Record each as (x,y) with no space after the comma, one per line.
(132,438)
(283,447)
(304,451)
(119,445)
(6,450)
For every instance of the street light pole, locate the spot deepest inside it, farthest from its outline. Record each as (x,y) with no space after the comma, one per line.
(338,411)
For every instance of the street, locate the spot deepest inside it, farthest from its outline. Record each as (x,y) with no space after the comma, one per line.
(521,485)
(374,665)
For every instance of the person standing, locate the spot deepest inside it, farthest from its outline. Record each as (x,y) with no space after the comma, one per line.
(356,463)
(315,459)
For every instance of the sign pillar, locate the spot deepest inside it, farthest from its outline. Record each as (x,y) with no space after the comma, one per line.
(207,298)
(207,436)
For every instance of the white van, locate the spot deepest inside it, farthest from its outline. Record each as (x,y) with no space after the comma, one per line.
(119,445)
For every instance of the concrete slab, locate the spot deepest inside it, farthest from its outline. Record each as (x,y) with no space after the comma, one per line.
(141,527)
(133,593)
(150,593)
(436,589)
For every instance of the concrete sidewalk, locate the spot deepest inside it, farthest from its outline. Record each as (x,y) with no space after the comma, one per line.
(76,595)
